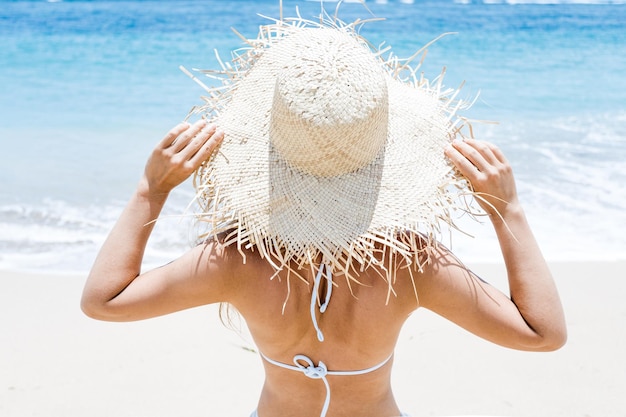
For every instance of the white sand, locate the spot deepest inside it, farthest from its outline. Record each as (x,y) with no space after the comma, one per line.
(55,362)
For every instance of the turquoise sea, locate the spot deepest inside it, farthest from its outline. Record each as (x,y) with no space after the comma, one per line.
(87,88)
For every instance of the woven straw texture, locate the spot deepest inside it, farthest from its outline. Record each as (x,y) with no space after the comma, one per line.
(327,151)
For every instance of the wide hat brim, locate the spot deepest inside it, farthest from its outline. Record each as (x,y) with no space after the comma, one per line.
(289,215)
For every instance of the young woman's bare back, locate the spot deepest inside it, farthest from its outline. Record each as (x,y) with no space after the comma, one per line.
(360,330)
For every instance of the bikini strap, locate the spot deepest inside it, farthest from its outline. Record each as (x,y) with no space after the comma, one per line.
(314,294)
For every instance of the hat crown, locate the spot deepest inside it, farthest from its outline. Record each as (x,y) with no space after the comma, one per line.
(330,106)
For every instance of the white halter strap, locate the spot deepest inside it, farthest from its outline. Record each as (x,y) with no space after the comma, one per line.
(323,306)
(305,365)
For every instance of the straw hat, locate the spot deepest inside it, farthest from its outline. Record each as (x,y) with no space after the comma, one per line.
(329,149)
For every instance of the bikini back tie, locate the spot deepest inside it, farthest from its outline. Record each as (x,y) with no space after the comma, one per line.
(305,365)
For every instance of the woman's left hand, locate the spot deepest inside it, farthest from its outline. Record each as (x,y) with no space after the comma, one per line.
(179,154)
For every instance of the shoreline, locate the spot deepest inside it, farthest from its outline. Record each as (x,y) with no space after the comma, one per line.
(557,265)
(59,363)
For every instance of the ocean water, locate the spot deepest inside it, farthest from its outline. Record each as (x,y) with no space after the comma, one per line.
(87,88)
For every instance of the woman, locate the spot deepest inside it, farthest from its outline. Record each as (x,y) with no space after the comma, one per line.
(317,346)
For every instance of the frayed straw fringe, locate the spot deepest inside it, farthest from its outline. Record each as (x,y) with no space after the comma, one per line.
(388,250)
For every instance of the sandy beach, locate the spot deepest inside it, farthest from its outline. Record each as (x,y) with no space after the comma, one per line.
(55,362)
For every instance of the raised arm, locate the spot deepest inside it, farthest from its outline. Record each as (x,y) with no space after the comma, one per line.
(532,319)
(113,290)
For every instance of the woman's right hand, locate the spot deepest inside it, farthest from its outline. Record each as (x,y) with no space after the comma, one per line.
(489,173)
(531,317)
(179,154)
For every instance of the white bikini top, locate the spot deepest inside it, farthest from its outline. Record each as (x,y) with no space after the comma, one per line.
(303,363)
